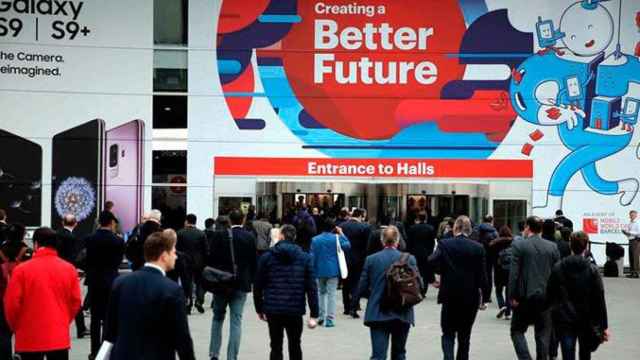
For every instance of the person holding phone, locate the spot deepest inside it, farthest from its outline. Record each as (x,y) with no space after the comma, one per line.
(284,279)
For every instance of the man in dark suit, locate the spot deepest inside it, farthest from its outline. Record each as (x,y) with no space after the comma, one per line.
(421,239)
(104,255)
(532,261)
(384,323)
(192,243)
(460,262)
(244,254)
(68,248)
(146,316)
(357,231)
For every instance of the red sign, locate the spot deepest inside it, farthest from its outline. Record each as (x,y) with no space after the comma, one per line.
(590,225)
(411,168)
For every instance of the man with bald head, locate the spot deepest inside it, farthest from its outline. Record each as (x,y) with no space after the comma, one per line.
(69,246)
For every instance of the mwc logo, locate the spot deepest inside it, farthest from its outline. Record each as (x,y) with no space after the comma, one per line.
(590,225)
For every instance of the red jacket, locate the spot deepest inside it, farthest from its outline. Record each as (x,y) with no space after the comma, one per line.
(42,298)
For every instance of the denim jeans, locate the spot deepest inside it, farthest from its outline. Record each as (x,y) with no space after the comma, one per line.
(236,306)
(568,346)
(327,289)
(398,330)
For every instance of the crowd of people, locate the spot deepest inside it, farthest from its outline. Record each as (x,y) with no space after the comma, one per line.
(543,275)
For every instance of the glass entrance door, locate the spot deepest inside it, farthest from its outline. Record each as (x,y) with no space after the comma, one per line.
(509,212)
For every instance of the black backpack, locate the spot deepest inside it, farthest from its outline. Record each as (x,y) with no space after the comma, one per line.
(134,248)
(611,269)
(403,286)
(504,258)
(614,251)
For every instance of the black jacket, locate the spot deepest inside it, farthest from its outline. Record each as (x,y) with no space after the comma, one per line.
(4,227)
(244,245)
(576,293)
(421,240)
(283,280)
(358,235)
(461,263)
(564,221)
(104,255)
(193,244)
(147,318)
(68,245)
(135,244)
(496,246)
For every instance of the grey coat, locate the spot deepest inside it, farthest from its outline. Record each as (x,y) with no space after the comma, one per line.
(372,282)
(531,264)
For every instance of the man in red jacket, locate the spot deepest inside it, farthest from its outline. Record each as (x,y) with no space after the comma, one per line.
(42,300)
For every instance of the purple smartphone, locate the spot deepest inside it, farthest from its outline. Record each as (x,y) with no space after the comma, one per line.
(124,172)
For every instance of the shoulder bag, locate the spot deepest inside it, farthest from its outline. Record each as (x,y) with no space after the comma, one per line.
(219,281)
(342,260)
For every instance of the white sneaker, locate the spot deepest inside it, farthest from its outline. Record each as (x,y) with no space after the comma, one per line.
(501,312)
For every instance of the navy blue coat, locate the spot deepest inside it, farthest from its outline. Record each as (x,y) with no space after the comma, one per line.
(358,235)
(460,262)
(284,277)
(373,283)
(105,251)
(147,318)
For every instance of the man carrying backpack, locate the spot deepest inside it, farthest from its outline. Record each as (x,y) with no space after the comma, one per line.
(383,316)
(460,262)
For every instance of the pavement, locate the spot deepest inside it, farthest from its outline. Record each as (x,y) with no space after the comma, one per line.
(350,338)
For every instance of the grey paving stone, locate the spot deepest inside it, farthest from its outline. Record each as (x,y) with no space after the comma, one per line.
(350,339)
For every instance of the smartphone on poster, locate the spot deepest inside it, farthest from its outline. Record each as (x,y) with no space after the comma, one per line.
(124,173)
(20,179)
(77,175)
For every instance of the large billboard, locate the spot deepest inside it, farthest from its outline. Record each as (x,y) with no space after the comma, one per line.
(553,83)
(75,89)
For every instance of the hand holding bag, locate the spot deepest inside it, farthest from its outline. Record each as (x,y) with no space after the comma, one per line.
(342,260)
(219,281)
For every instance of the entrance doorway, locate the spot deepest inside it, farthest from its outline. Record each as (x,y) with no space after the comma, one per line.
(383,202)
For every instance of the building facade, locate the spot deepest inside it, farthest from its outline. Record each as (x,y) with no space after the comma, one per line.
(452,106)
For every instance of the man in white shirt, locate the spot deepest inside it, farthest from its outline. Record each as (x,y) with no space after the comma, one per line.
(633,233)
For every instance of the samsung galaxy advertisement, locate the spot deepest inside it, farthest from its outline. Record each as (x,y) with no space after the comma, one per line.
(75,86)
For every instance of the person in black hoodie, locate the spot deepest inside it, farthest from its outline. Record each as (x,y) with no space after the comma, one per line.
(579,310)
(283,280)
